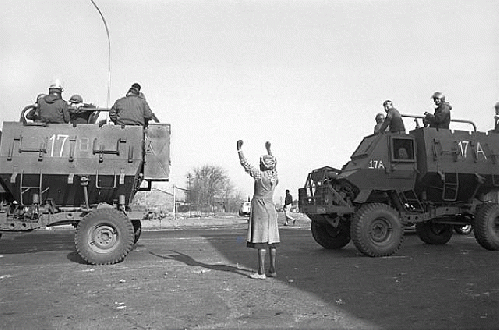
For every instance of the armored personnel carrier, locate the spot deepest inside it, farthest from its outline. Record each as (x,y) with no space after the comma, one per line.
(84,175)
(432,178)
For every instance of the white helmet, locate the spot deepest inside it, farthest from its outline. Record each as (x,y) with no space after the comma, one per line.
(56,85)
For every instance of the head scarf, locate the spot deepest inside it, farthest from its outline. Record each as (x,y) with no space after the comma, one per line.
(268,162)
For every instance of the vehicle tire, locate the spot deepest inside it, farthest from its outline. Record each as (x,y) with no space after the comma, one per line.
(104,237)
(137,230)
(434,233)
(330,237)
(376,230)
(463,230)
(486,226)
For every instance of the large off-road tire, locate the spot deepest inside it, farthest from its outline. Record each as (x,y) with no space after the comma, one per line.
(434,233)
(137,230)
(376,230)
(486,226)
(104,237)
(330,237)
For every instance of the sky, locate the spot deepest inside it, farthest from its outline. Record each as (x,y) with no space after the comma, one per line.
(308,76)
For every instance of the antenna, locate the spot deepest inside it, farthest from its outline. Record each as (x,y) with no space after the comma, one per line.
(108,54)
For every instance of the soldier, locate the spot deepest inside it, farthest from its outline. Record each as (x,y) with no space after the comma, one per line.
(393,119)
(81,113)
(131,109)
(441,117)
(379,121)
(263,231)
(496,118)
(52,108)
(142,96)
(34,113)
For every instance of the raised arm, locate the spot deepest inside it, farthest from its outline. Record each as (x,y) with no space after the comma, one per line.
(253,171)
(267,146)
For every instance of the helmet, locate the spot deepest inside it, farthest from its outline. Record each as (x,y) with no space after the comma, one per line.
(438,95)
(56,86)
(379,115)
(76,99)
(386,102)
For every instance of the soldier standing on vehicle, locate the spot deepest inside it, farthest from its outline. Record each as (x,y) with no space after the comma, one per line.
(441,117)
(131,109)
(393,119)
(379,121)
(52,108)
(496,118)
(263,231)
(288,202)
(142,96)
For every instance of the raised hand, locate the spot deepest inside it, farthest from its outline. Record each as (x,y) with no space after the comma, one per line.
(239,144)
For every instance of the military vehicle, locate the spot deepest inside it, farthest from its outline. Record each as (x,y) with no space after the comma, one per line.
(83,175)
(435,179)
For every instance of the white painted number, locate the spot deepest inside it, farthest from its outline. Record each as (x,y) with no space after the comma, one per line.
(376,164)
(463,146)
(54,146)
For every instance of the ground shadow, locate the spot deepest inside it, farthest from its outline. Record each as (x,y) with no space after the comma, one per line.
(189,261)
(416,285)
(76,258)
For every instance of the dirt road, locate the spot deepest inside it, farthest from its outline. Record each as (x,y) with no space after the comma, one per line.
(198,279)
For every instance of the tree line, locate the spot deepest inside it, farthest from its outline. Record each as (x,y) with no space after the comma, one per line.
(209,189)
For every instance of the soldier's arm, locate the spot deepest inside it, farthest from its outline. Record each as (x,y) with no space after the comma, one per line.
(147,111)
(113,113)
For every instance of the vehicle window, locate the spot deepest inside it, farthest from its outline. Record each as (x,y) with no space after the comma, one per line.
(402,149)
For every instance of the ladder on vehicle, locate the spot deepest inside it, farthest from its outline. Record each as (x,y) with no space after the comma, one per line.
(451,187)
(411,201)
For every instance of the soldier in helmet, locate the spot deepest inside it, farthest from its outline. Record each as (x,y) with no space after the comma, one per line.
(52,108)
(34,113)
(81,113)
(496,118)
(393,119)
(441,117)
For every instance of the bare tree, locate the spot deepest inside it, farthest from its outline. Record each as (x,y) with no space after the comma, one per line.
(208,186)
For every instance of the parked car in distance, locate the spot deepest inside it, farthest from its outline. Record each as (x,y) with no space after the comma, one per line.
(245,209)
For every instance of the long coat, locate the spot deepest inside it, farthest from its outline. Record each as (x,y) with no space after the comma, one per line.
(262,226)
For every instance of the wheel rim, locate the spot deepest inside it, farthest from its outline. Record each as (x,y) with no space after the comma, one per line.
(438,229)
(380,230)
(103,238)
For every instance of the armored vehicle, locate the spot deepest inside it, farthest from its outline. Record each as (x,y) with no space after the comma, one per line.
(84,175)
(432,178)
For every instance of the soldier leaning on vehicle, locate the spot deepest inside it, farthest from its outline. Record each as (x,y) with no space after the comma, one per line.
(34,113)
(393,119)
